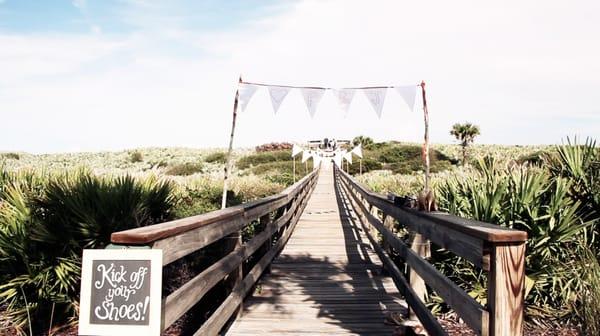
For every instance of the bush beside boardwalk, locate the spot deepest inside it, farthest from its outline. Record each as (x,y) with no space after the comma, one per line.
(389,167)
(552,193)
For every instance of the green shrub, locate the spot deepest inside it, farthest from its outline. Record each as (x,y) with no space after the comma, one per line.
(216,157)
(185,169)
(533,200)
(158,164)
(136,156)
(13,156)
(263,157)
(587,271)
(535,158)
(400,158)
(42,238)
(281,172)
(368,165)
(196,200)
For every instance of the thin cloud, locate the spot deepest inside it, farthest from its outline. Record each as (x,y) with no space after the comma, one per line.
(518,81)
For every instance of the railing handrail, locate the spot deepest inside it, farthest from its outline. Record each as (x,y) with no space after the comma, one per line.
(276,216)
(498,250)
(151,233)
(477,229)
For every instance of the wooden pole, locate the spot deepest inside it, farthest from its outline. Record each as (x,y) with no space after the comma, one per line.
(360,166)
(426,137)
(230,150)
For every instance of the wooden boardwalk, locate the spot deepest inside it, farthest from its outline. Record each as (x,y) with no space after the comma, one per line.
(326,281)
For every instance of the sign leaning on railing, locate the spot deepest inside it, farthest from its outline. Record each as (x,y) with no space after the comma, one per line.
(121,292)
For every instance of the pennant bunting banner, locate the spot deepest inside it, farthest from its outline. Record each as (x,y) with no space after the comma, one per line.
(357,151)
(376,97)
(278,94)
(344,97)
(246,91)
(408,94)
(348,157)
(296,150)
(306,155)
(312,97)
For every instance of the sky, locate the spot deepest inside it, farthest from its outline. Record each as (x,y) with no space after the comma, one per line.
(88,75)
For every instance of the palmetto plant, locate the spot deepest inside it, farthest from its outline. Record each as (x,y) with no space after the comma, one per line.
(536,201)
(42,235)
(465,133)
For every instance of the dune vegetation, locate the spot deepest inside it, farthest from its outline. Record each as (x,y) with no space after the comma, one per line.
(54,205)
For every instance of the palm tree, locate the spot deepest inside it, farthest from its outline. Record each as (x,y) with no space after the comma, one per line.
(465,133)
(365,141)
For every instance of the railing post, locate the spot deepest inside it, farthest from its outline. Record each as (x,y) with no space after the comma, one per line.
(231,243)
(506,289)
(420,246)
(264,223)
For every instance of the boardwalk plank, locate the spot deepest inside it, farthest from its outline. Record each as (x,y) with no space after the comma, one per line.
(327,280)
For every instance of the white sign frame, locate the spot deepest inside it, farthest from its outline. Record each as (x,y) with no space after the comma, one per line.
(155,309)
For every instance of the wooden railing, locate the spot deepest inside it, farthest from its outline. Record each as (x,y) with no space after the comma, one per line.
(497,250)
(277,216)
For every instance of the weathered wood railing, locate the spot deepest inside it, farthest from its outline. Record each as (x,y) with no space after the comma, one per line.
(277,216)
(497,250)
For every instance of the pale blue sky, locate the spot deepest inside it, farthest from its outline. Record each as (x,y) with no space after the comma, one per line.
(93,75)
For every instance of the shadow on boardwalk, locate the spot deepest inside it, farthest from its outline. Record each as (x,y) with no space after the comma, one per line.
(323,284)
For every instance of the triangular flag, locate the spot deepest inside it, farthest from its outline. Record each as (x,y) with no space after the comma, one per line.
(278,94)
(376,97)
(348,157)
(358,151)
(316,160)
(306,155)
(338,159)
(296,150)
(408,94)
(344,97)
(245,91)
(312,97)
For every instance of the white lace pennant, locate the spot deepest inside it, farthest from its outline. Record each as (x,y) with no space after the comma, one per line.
(316,159)
(338,159)
(358,151)
(306,155)
(376,97)
(246,91)
(348,157)
(278,94)
(408,94)
(296,150)
(312,97)
(344,97)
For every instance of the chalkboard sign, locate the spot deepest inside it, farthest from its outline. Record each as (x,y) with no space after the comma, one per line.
(121,292)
